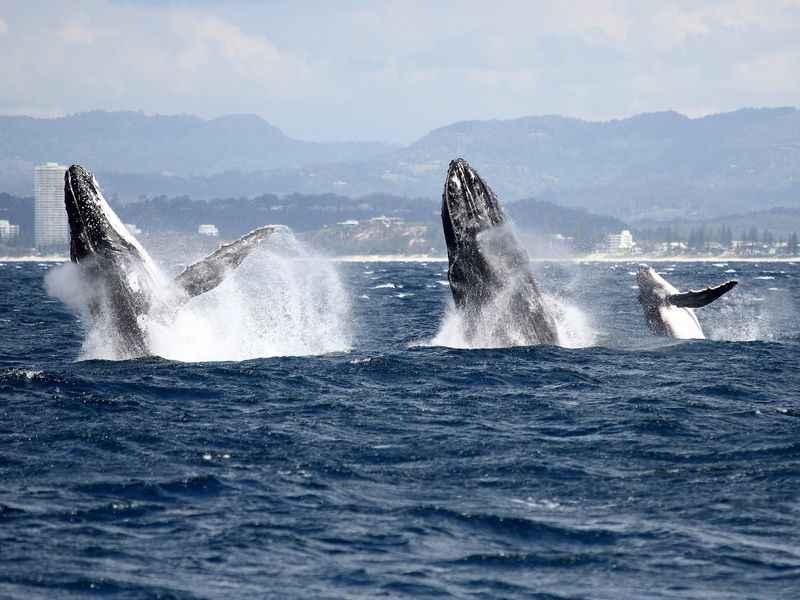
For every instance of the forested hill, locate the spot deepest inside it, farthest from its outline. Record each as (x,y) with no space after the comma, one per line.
(660,165)
(652,166)
(236,216)
(308,213)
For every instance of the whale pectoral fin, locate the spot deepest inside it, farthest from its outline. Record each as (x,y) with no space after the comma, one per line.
(208,273)
(699,298)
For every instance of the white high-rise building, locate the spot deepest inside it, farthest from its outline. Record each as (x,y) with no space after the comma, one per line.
(620,243)
(8,231)
(50,217)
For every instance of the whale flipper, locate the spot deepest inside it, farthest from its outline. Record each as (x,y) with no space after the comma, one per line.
(208,273)
(699,298)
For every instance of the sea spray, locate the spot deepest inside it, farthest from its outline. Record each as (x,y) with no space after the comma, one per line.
(69,283)
(495,326)
(575,326)
(509,299)
(745,317)
(281,301)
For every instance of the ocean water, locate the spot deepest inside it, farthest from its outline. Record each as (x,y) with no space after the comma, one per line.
(378,462)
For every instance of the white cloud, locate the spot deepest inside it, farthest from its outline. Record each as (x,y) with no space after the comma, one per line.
(393,70)
(776,73)
(75,33)
(210,42)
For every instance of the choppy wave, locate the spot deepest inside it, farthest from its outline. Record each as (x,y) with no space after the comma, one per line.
(637,467)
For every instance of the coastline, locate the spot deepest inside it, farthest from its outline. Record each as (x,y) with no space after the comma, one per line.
(54,258)
(424,258)
(590,258)
(605,258)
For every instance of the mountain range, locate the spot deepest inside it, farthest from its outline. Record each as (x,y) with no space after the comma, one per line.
(655,166)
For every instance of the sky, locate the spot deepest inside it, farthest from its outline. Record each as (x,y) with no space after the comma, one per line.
(394,70)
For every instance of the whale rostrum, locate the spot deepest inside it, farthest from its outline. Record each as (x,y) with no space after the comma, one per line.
(488,269)
(669,312)
(124,286)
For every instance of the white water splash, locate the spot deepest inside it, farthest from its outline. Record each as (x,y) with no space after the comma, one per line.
(498,324)
(575,327)
(572,324)
(279,302)
(282,301)
(70,284)
(745,317)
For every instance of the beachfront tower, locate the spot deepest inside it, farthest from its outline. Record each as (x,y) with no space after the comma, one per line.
(50,217)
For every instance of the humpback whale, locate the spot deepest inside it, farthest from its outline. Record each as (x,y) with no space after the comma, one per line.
(124,286)
(669,312)
(488,270)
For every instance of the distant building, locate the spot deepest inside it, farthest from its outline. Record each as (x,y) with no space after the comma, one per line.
(674,247)
(387,221)
(50,217)
(208,229)
(619,243)
(8,231)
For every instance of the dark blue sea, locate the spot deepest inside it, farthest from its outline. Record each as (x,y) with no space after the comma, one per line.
(633,467)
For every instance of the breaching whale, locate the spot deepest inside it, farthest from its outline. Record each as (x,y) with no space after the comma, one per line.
(669,312)
(488,270)
(124,286)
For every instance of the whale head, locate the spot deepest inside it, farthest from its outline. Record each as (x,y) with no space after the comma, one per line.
(101,243)
(95,229)
(482,248)
(121,281)
(469,206)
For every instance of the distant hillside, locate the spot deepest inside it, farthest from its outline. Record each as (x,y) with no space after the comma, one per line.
(301,212)
(658,166)
(644,166)
(781,221)
(661,165)
(178,146)
(345,225)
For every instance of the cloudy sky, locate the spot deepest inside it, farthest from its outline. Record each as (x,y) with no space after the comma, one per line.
(393,70)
